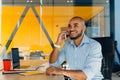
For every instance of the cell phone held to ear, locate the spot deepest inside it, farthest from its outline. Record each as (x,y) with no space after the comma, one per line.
(66,36)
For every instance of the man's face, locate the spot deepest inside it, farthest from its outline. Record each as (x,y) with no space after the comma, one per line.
(75,28)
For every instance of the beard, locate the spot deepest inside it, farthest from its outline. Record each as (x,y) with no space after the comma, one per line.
(76,37)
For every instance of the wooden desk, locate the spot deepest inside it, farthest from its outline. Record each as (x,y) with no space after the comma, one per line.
(30,77)
(31,63)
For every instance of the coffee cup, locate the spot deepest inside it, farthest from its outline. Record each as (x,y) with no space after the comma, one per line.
(6,64)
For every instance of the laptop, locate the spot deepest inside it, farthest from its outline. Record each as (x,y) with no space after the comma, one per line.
(16,62)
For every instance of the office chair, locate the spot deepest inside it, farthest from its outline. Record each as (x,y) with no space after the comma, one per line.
(107,44)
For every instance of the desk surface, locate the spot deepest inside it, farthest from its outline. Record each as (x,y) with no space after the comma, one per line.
(30,77)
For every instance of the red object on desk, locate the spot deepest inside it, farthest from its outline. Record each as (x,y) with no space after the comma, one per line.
(7,64)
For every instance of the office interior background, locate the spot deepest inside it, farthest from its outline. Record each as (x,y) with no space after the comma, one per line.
(33,25)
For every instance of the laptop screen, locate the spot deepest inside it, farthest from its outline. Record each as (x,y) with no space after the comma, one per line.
(15,58)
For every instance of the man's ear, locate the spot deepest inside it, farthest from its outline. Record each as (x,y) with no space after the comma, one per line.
(84,28)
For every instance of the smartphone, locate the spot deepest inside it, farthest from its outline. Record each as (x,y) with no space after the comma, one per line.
(66,36)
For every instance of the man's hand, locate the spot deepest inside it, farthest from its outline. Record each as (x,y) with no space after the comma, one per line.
(54,71)
(61,37)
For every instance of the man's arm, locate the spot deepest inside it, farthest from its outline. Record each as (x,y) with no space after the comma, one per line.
(54,55)
(55,52)
(76,74)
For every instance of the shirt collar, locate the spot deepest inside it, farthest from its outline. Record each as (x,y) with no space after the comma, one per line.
(84,40)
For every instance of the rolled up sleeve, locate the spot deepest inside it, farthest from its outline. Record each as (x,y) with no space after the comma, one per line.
(94,61)
(61,57)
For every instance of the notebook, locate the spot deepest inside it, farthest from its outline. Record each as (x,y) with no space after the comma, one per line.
(16,62)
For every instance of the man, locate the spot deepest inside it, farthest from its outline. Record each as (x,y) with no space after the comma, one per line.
(82,54)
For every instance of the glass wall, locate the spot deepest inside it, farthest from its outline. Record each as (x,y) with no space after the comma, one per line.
(34,25)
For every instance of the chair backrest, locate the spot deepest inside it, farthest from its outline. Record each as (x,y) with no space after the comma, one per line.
(107,44)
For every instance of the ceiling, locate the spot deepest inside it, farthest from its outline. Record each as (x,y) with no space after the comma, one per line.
(53,2)
(87,12)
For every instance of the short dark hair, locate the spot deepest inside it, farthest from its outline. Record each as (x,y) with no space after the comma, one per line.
(78,17)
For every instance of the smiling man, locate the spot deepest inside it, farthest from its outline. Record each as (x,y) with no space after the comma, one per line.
(82,54)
